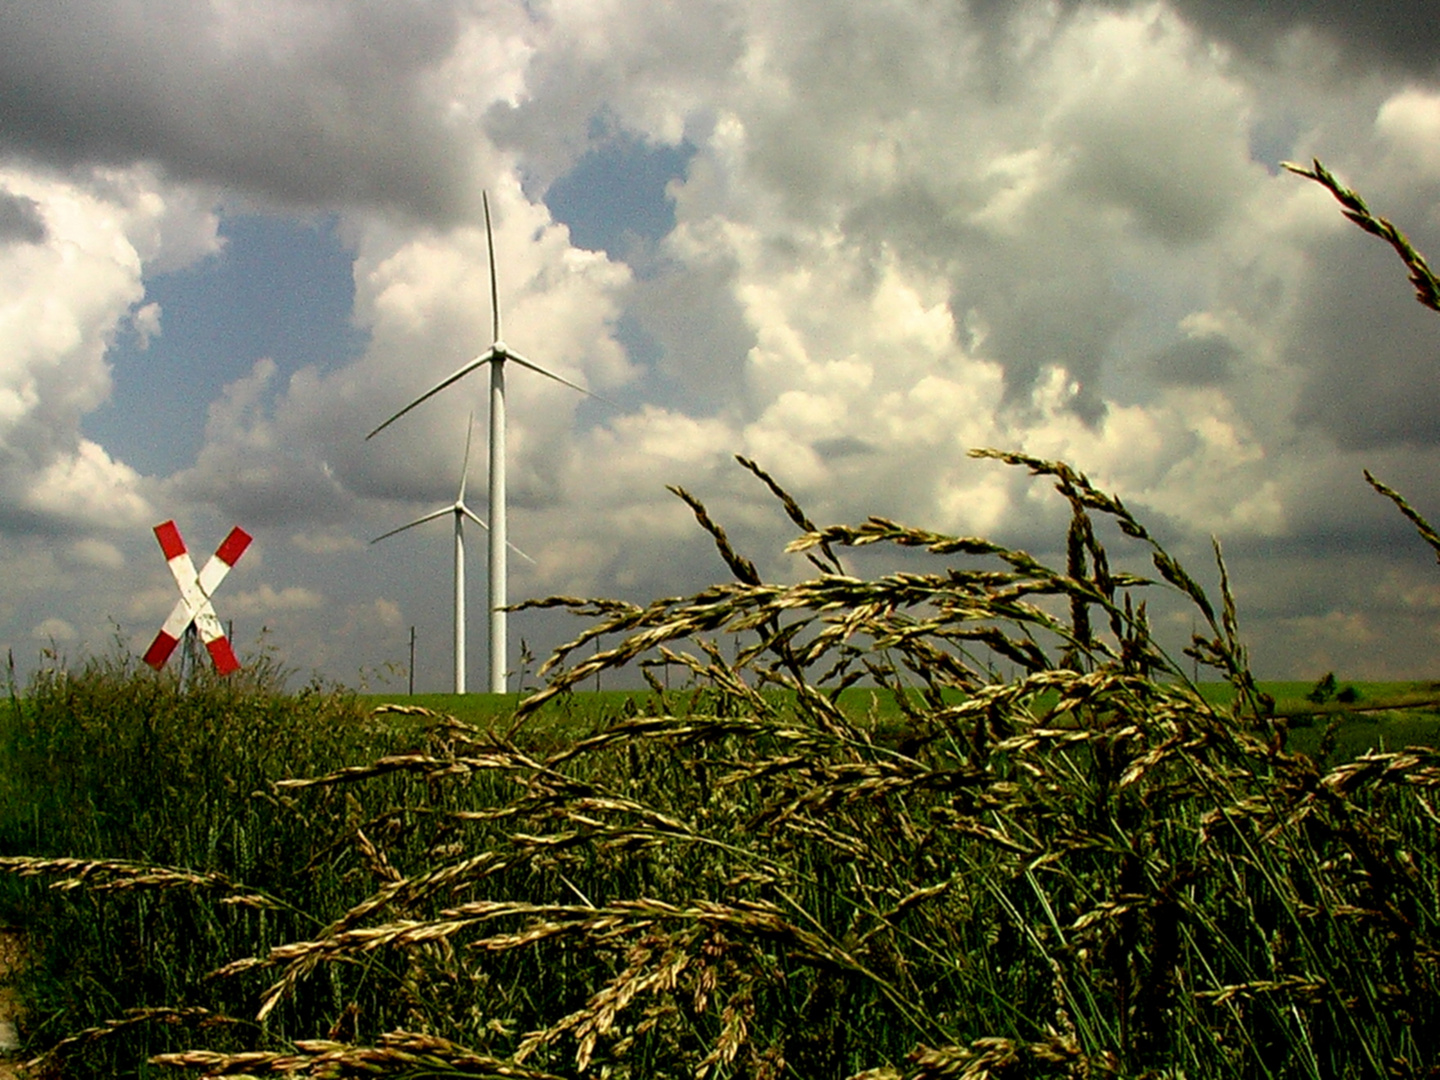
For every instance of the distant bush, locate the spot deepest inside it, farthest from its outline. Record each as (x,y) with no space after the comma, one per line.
(1324,690)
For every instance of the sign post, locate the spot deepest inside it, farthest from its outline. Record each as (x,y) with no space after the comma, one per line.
(195,591)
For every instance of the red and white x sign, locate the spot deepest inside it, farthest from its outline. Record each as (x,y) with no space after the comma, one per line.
(195,592)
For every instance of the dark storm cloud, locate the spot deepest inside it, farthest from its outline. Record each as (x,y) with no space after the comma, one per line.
(1195,362)
(842,447)
(20,220)
(1368,356)
(1400,33)
(323,103)
(1403,33)
(1045,319)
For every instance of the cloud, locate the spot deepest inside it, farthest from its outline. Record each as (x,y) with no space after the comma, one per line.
(647,66)
(56,630)
(96,554)
(21,220)
(145,321)
(267,600)
(325,542)
(88,488)
(380,612)
(1200,361)
(251,471)
(300,103)
(1401,33)
(1081,260)
(1398,34)
(68,287)
(1365,346)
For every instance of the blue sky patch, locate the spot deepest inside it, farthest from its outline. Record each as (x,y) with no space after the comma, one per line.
(282,289)
(615,195)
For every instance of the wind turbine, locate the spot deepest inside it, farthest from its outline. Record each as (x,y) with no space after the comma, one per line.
(461,512)
(496,356)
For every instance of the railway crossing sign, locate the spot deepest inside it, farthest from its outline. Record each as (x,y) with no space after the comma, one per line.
(195,591)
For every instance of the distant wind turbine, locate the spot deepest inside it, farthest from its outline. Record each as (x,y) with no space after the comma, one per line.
(461,512)
(496,356)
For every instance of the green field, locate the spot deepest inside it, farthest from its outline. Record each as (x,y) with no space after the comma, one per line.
(1361,726)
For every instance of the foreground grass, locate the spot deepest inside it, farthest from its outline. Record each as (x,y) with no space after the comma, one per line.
(1091,869)
(125,770)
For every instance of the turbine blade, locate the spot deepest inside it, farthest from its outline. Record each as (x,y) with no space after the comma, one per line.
(465,469)
(483,358)
(494,286)
(558,378)
(417,521)
(479,521)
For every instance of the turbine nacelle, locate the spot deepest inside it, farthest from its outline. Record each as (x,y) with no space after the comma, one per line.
(496,353)
(458,509)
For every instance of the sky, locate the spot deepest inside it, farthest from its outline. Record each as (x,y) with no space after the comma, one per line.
(848,240)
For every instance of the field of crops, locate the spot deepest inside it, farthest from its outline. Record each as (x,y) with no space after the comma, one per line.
(845,849)
(1375,716)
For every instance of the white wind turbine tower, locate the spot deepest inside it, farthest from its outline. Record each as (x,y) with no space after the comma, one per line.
(461,512)
(496,356)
